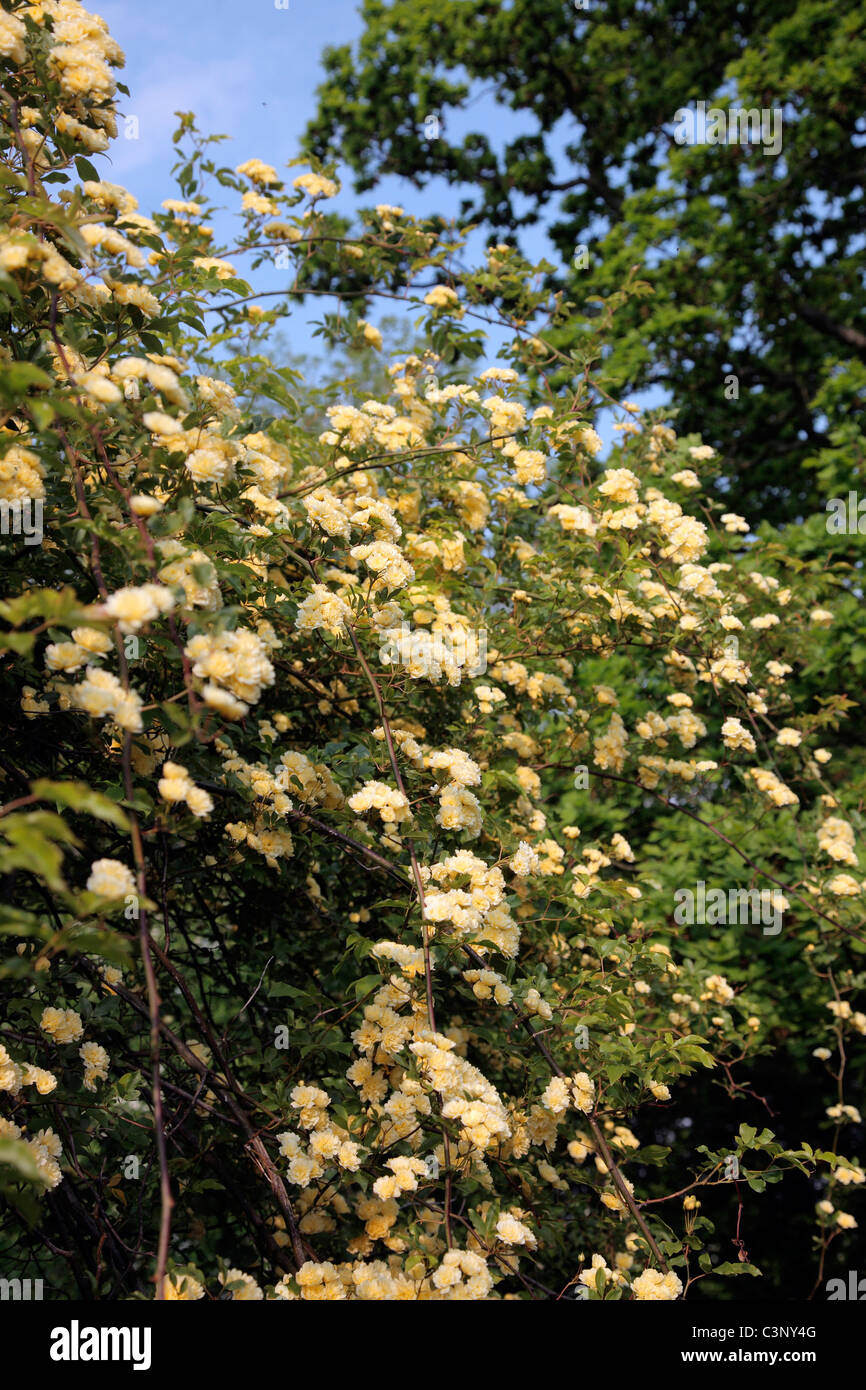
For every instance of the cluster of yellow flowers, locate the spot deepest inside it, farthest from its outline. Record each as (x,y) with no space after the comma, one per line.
(176,785)
(21,471)
(101,694)
(323,609)
(836,838)
(561,1093)
(95,1059)
(326,1142)
(14,1076)
(62,1027)
(110,879)
(773,787)
(131,608)
(476,913)
(390,803)
(44,1147)
(462,1275)
(655,1286)
(234,666)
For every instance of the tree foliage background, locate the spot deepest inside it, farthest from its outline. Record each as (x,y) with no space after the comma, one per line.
(362,737)
(756,259)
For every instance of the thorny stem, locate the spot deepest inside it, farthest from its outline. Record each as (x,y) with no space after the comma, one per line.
(416,872)
(419,887)
(235,1101)
(606,1154)
(153,1003)
(523,1018)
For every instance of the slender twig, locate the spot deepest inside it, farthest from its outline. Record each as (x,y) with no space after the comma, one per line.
(419,888)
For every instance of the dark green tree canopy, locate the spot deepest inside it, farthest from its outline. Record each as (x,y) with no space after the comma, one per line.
(755,253)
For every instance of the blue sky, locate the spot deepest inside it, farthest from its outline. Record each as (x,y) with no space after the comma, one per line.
(251,71)
(248,70)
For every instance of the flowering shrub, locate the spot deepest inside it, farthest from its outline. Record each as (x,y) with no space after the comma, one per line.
(355,747)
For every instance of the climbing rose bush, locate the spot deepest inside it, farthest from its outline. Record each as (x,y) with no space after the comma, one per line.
(361,744)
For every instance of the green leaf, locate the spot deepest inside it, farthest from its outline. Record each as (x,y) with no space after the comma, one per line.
(19,1156)
(79,797)
(20,642)
(654,1154)
(366,985)
(86,170)
(97,941)
(17,377)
